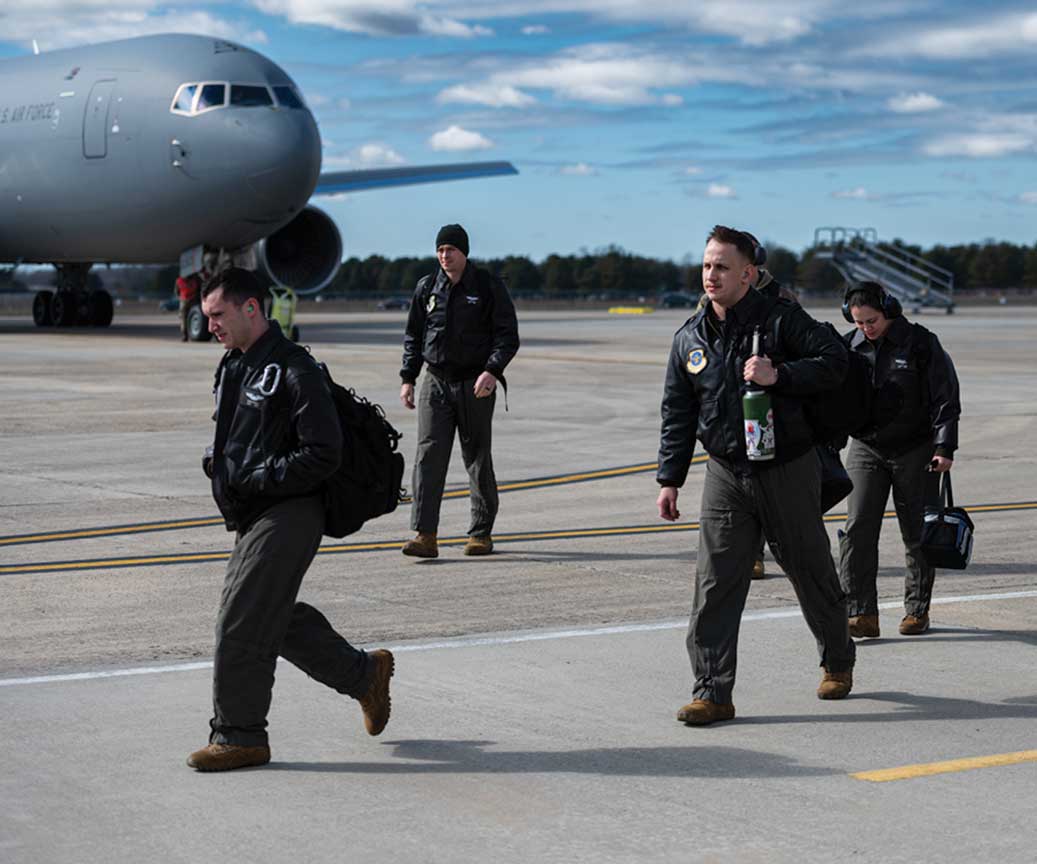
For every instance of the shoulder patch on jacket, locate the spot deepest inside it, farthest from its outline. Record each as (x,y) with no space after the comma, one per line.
(696,361)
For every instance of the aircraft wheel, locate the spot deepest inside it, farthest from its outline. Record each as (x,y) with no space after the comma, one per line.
(197,325)
(63,309)
(82,311)
(99,308)
(41,308)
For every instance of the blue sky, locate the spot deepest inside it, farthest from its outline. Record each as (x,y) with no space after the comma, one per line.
(641,124)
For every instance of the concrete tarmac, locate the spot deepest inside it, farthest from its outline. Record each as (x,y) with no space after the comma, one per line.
(536,691)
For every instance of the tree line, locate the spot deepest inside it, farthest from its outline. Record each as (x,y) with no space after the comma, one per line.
(613,272)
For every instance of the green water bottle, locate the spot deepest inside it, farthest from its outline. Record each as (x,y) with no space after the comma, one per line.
(758,417)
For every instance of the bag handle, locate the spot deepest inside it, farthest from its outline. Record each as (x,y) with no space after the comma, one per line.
(946,496)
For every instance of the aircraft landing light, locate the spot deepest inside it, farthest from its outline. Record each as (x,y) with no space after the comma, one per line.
(381,545)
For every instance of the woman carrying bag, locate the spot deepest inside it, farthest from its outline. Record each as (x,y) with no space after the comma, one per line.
(916,395)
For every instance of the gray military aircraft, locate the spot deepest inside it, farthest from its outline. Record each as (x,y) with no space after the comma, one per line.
(163,149)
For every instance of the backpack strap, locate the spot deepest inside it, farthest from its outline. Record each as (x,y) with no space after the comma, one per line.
(765,315)
(922,344)
(425,284)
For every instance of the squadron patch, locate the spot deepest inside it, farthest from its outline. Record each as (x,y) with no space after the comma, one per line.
(696,361)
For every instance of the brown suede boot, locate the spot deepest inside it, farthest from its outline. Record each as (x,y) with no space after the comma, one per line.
(376,703)
(478,546)
(422,546)
(702,712)
(835,685)
(758,570)
(913,625)
(227,757)
(864,626)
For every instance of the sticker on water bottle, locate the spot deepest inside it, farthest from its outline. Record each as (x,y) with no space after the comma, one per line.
(759,438)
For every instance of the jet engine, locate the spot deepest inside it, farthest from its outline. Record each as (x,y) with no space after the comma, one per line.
(304,255)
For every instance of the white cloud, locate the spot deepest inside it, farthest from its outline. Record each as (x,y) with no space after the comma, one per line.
(382,18)
(913,103)
(692,170)
(456,138)
(858,193)
(979,145)
(603,74)
(719,190)
(487,93)
(90,22)
(535,30)
(580,169)
(1007,34)
(672,99)
(752,22)
(371,155)
(1028,198)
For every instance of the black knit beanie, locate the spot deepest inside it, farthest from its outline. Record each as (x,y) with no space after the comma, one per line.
(453,235)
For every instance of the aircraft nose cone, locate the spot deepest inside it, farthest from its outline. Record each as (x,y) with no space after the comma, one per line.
(284,152)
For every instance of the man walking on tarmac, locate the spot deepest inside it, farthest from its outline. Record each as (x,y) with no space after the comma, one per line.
(765,283)
(461,325)
(277,439)
(710,361)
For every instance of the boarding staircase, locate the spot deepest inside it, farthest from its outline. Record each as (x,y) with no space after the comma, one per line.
(859,256)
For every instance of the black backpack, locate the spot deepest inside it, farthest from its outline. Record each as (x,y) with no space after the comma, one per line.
(368,481)
(836,414)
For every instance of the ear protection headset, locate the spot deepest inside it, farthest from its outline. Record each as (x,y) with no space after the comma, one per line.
(874,295)
(759,252)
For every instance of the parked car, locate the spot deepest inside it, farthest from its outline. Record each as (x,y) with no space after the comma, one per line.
(678,300)
(394,303)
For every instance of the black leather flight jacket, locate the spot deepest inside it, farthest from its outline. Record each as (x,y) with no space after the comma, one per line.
(702,396)
(460,330)
(277,431)
(916,386)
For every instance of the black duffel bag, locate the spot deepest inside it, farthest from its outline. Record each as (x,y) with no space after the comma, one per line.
(835,482)
(947,532)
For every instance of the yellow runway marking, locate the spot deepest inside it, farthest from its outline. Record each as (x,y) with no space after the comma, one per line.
(208,521)
(140,528)
(190,558)
(109,563)
(909,772)
(338,548)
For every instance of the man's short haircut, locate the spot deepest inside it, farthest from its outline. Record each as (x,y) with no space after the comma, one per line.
(866,294)
(736,238)
(238,285)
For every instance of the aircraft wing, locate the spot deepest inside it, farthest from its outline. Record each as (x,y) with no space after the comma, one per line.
(334,182)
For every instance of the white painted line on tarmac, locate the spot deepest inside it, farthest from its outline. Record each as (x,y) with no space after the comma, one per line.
(509,639)
(108,673)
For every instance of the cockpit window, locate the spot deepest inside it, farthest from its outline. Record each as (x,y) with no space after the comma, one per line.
(249,95)
(212,96)
(184,98)
(197,97)
(287,97)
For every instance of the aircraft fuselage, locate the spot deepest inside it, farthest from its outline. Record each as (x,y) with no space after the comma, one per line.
(96,165)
